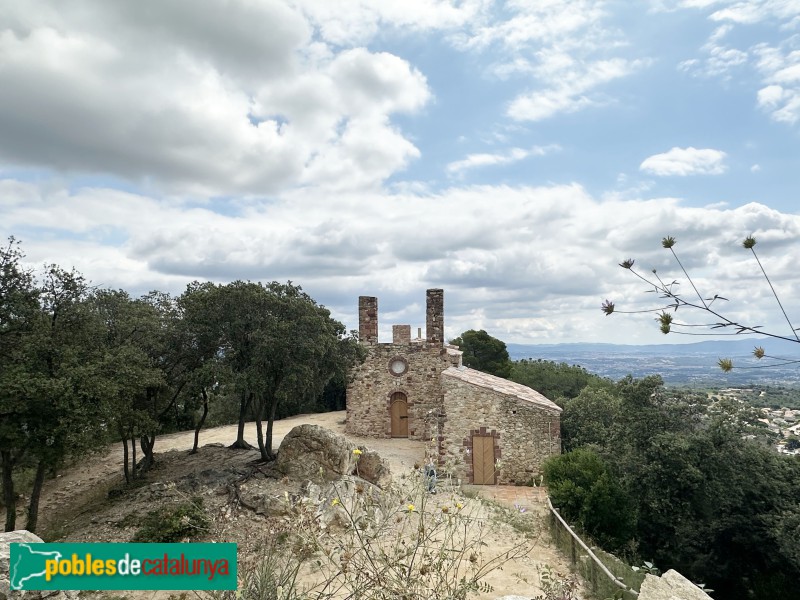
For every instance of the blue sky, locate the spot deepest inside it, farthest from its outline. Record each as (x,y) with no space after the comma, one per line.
(510,152)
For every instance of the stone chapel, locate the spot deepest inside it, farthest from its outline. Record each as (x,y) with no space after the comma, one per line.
(488,430)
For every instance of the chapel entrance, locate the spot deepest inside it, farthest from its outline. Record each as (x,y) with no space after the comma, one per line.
(399,411)
(483,460)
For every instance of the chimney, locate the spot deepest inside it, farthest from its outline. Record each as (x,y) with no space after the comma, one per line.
(401,334)
(368,319)
(434,319)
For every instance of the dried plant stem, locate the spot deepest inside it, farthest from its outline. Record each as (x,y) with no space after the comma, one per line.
(689,278)
(774,293)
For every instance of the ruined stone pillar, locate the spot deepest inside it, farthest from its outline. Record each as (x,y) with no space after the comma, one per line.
(401,334)
(434,319)
(368,319)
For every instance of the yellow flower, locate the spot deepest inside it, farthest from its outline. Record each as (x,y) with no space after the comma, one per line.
(411,508)
(459,506)
(357,452)
(334,502)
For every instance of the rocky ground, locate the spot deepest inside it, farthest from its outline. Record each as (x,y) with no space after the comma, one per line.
(247,501)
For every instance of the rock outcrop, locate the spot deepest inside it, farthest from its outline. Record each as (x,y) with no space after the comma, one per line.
(311,452)
(670,586)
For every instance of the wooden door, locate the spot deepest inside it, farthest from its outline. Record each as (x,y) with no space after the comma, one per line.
(483,459)
(399,415)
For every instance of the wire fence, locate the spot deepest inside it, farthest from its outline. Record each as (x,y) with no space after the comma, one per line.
(607,578)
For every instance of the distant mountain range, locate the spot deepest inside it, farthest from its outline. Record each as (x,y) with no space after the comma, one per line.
(678,364)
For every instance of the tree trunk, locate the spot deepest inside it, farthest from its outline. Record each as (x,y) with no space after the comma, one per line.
(147,442)
(36,493)
(244,403)
(8,489)
(202,420)
(260,431)
(124,439)
(271,419)
(125,468)
(133,456)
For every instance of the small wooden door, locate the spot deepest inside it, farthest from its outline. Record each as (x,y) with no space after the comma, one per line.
(399,415)
(483,459)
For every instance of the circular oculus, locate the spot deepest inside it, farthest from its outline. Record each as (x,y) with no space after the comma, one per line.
(398,366)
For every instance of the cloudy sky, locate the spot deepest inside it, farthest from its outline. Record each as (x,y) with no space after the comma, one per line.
(512,153)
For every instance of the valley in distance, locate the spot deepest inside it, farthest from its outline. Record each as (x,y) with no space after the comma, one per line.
(684,365)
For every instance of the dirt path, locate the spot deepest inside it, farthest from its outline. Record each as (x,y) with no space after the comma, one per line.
(104,470)
(80,491)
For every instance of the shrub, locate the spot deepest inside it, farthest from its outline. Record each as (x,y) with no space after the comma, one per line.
(173,523)
(581,486)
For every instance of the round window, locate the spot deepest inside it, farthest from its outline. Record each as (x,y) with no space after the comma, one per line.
(398,366)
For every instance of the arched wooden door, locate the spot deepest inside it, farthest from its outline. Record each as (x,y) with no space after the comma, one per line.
(399,411)
(483,460)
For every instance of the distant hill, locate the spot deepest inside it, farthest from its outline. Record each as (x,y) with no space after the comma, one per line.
(678,364)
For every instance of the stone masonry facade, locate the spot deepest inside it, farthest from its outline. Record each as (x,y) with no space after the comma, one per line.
(448,404)
(369,395)
(525,432)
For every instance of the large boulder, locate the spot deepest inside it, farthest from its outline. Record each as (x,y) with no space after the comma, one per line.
(670,586)
(373,468)
(340,503)
(311,452)
(315,453)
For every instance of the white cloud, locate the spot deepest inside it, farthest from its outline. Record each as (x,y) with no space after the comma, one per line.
(780,69)
(501,158)
(756,11)
(778,63)
(686,161)
(197,102)
(570,88)
(357,21)
(544,23)
(566,46)
(719,59)
(534,261)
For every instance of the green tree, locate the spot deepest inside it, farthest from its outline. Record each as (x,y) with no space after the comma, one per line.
(717,507)
(582,487)
(279,346)
(588,420)
(52,403)
(484,353)
(127,371)
(19,305)
(203,344)
(557,381)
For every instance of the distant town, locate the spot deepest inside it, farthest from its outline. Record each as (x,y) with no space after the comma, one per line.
(694,365)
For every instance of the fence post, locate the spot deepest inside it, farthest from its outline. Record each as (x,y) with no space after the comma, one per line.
(572,551)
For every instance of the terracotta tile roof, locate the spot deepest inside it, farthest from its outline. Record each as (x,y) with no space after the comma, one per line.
(503,386)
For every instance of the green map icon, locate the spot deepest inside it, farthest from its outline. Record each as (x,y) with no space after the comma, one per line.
(26,563)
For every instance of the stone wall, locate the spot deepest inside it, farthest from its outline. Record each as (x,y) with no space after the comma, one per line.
(525,434)
(370,392)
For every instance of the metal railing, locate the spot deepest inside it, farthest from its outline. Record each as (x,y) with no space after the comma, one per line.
(603,582)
